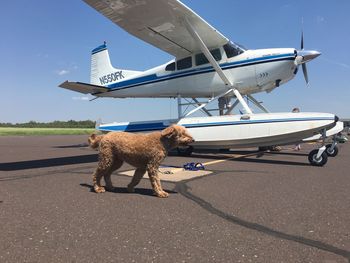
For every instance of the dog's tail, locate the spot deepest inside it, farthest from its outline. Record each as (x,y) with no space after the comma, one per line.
(94,140)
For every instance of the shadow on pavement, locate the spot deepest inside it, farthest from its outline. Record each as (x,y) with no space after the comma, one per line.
(82,145)
(123,190)
(50,162)
(254,157)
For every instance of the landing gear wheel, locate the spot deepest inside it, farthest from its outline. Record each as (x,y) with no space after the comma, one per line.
(185,151)
(331,153)
(317,161)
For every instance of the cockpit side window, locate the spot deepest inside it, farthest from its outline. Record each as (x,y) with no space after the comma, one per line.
(170,67)
(184,63)
(232,50)
(201,58)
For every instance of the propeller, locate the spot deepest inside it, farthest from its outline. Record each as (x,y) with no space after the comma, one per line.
(306,77)
(302,41)
(303,56)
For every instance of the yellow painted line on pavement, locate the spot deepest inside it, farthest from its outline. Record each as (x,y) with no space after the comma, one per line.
(235,156)
(232,157)
(176,170)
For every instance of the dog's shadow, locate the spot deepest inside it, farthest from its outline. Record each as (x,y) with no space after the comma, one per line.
(123,190)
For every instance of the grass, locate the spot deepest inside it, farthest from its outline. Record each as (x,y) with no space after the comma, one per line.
(10,131)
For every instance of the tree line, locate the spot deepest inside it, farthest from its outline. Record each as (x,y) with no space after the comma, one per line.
(55,124)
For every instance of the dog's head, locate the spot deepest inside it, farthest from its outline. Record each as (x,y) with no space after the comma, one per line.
(177,136)
(94,140)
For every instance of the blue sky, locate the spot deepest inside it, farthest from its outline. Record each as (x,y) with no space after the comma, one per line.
(47,42)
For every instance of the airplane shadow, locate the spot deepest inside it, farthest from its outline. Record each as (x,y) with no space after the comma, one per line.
(123,190)
(90,158)
(288,153)
(264,161)
(50,162)
(254,157)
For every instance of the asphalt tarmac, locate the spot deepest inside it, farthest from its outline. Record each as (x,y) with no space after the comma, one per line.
(249,207)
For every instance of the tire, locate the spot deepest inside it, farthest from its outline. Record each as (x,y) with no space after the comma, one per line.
(331,153)
(317,162)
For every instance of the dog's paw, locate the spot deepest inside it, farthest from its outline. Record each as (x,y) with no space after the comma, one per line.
(99,189)
(162,194)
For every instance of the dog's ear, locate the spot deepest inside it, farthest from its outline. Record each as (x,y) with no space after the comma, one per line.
(169,132)
(91,138)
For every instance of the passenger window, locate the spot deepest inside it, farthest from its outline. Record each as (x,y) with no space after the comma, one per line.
(201,58)
(184,63)
(170,67)
(216,54)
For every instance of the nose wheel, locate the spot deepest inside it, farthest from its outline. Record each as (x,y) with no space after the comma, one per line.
(331,150)
(318,157)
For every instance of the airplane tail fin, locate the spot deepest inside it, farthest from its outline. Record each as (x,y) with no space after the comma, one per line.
(98,123)
(102,71)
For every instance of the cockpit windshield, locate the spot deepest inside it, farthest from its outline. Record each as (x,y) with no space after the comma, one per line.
(233,49)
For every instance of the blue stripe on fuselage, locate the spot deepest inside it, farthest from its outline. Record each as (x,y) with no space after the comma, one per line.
(153,78)
(156,126)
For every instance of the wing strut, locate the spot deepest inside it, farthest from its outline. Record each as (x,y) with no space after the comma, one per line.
(216,66)
(202,105)
(257,103)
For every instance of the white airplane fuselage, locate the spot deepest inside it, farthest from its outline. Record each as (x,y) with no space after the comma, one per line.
(250,72)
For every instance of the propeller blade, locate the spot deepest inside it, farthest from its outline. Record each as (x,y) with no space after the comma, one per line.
(302,41)
(305,74)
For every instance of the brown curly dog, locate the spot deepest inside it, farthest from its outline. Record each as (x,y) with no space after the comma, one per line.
(144,151)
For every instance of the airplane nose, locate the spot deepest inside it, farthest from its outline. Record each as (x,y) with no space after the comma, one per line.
(304,56)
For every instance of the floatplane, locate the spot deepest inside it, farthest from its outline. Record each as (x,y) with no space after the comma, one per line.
(207,67)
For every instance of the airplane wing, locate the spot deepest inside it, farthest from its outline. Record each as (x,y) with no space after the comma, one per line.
(83,87)
(160,23)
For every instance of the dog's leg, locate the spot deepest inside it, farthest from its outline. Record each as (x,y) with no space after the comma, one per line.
(136,179)
(96,179)
(158,179)
(107,176)
(155,182)
(103,168)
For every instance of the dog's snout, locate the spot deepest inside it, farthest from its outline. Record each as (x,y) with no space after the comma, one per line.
(190,139)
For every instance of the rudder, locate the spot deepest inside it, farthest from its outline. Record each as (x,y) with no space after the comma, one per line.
(102,71)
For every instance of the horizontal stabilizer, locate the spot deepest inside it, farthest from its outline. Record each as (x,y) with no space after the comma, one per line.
(83,87)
